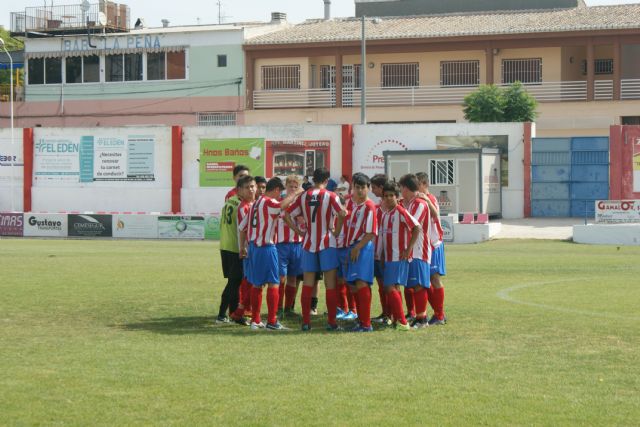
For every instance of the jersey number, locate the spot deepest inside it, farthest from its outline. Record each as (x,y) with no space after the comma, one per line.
(254,218)
(226,216)
(314,203)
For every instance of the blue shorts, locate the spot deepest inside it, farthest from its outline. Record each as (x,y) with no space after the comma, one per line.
(396,273)
(289,259)
(418,274)
(362,269)
(263,265)
(343,253)
(377,269)
(314,262)
(437,261)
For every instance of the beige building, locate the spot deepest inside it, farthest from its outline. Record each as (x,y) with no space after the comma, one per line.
(581,63)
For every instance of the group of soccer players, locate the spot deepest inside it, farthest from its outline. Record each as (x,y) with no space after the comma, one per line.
(273,234)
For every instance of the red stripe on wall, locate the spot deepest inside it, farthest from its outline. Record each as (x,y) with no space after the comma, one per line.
(176,168)
(347,150)
(527,170)
(27,155)
(615,159)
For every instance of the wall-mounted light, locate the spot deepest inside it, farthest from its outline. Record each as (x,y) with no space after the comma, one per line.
(571,60)
(371,65)
(496,51)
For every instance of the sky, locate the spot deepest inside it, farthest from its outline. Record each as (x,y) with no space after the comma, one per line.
(193,12)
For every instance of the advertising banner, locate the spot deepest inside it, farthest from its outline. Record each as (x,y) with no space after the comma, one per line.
(45,225)
(297,157)
(181,227)
(57,159)
(131,226)
(89,225)
(218,157)
(11,164)
(212,226)
(11,224)
(636,166)
(617,211)
(447,228)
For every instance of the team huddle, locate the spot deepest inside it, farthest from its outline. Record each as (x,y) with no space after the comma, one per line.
(274,234)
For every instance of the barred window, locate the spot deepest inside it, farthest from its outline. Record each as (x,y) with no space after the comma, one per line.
(442,172)
(276,77)
(459,73)
(350,76)
(400,75)
(327,76)
(217,119)
(600,66)
(522,70)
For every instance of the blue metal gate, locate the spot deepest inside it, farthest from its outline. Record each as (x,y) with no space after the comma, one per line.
(568,175)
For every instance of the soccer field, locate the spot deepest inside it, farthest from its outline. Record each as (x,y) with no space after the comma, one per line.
(122,333)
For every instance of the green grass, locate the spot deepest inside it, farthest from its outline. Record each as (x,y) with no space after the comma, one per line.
(122,333)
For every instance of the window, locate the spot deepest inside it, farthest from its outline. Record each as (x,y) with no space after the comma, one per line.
(125,67)
(156,66)
(327,76)
(600,66)
(442,172)
(630,120)
(522,70)
(113,68)
(275,77)
(82,69)
(176,65)
(350,76)
(222,60)
(166,66)
(36,71)
(45,71)
(217,119)
(459,73)
(400,75)
(132,67)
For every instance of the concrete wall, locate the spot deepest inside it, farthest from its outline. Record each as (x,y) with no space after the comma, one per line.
(11,170)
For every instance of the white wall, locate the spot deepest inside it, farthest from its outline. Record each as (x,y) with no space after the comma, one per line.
(196,199)
(11,171)
(370,141)
(68,194)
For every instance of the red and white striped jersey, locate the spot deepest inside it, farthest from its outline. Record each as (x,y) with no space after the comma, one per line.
(318,207)
(419,209)
(395,233)
(243,212)
(362,220)
(437,233)
(377,241)
(231,193)
(341,240)
(284,233)
(262,220)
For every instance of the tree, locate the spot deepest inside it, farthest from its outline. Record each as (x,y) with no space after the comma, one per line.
(491,104)
(11,44)
(484,105)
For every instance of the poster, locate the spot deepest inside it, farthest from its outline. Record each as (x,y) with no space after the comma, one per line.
(11,163)
(135,226)
(11,224)
(447,228)
(57,159)
(617,211)
(636,166)
(45,225)
(89,225)
(119,159)
(212,226)
(181,227)
(297,157)
(218,157)
(480,141)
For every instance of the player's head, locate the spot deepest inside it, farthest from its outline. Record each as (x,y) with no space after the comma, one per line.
(261,185)
(377,182)
(246,186)
(274,187)
(423,182)
(240,171)
(390,194)
(321,176)
(408,186)
(292,183)
(361,186)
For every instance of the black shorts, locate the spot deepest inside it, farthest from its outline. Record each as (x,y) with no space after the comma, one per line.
(231,262)
(318,276)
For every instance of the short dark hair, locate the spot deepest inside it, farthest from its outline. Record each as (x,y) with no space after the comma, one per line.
(410,181)
(423,178)
(391,187)
(261,180)
(239,168)
(321,175)
(244,180)
(360,179)
(275,183)
(379,180)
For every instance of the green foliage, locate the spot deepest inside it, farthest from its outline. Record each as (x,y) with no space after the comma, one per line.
(491,104)
(11,44)
(121,332)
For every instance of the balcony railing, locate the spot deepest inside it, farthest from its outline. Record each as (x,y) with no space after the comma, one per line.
(630,89)
(603,90)
(294,98)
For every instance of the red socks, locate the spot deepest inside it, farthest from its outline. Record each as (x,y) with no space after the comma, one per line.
(421,300)
(256,304)
(430,296)
(332,305)
(245,294)
(408,297)
(305,302)
(290,296)
(353,301)
(272,303)
(437,302)
(383,299)
(281,293)
(343,301)
(364,306)
(395,306)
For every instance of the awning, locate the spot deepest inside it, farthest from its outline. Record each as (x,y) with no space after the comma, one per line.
(89,52)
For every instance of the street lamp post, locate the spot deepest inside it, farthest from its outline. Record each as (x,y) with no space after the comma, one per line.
(363,75)
(11,108)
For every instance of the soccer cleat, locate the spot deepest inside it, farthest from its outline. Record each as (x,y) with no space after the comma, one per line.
(276,326)
(314,311)
(419,323)
(340,313)
(386,321)
(410,317)
(256,326)
(379,319)
(434,321)
(401,327)
(222,319)
(240,321)
(350,316)
(334,328)
(363,329)
(306,327)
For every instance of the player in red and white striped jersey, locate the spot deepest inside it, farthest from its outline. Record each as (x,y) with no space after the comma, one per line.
(377,184)
(419,266)
(318,207)
(398,233)
(347,307)
(238,172)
